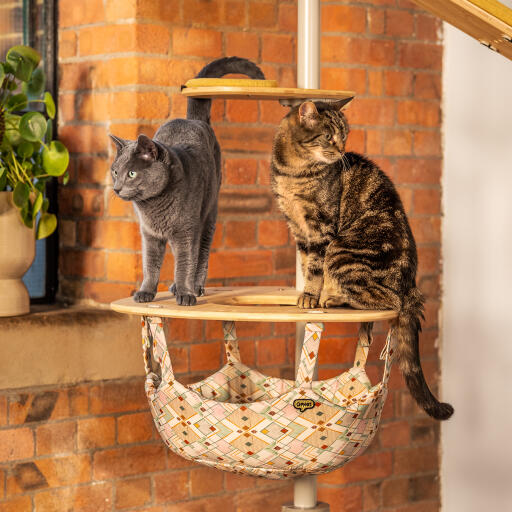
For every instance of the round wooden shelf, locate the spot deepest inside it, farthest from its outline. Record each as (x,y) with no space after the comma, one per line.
(247,304)
(286,95)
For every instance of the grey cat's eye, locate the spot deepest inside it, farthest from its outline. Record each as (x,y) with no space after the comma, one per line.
(114,173)
(132,174)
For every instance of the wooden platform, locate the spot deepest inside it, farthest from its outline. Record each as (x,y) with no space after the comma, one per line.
(249,304)
(286,95)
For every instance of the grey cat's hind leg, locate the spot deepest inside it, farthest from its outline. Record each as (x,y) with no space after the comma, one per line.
(204,253)
(153,250)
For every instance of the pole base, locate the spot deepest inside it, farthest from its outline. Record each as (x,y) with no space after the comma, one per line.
(319,507)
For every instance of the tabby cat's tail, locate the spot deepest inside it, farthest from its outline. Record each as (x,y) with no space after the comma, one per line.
(198,108)
(408,356)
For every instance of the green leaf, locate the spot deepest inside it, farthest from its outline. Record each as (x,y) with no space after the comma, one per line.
(55,158)
(46,225)
(20,195)
(65,178)
(3,181)
(23,60)
(32,126)
(2,73)
(25,149)
(12,125)
(17,102)
(26,215)
(50,105)
(38,203)
(48,136)
(40,185)
(35,86)
(46,205)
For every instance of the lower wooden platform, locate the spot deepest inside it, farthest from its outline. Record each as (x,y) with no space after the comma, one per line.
(249,304)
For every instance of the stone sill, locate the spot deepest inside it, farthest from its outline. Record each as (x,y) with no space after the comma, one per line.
(60,346)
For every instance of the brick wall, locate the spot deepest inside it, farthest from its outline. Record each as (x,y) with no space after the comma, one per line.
(121,64)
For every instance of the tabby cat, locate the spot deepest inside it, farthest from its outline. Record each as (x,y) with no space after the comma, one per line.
(355,243)
(173,181)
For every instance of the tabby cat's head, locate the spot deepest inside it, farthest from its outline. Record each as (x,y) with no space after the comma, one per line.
(140,170)
(313,132)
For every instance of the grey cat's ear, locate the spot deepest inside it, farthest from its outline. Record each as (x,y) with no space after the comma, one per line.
(120,143)
(308,114)
(146,148)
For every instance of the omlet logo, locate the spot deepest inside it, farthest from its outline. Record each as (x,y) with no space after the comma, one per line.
(302,404)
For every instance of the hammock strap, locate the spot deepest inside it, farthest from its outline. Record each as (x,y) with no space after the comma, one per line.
(155,347)
(363,345)
(387,355)
(309,354)
(230,342)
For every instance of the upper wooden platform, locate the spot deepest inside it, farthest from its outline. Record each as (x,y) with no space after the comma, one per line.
(488,21)
(249,304)
(286,95)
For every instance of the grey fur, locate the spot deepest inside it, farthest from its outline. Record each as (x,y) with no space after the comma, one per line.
(173,181)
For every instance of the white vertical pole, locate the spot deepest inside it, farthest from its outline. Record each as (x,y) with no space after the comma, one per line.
(308,77)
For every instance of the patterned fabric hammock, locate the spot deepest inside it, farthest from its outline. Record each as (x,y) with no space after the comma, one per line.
(242,421)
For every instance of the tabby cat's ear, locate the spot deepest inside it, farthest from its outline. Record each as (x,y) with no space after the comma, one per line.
(120,143)
(146,148)
(308,114)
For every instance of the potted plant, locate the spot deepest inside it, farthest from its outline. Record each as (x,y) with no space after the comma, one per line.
(29,158)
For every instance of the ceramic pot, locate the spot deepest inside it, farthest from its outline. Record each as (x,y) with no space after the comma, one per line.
(17,251)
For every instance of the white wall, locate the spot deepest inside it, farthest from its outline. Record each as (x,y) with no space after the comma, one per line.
(477,252)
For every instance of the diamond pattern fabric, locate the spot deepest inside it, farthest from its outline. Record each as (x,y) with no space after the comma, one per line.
(243,421)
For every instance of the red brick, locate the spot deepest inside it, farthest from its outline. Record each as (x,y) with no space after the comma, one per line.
(78,397)
(89,498)
(427,143)
(336,351)
(356,141)
(195,11)
(67,43)
(271,352)
(56,438)
(240,234)
(236,482)
(256,500)
(79,263)
(343,18)
(242,111)
(185,331)
(240,138)
(134,492)
(134,428)
(270,111)
(262,15)
(93,170)
(3,410)
(128,461)
(394,434)
(205,356)
(106,292)
(351,79)
(167,11)
(241,171)
(376,20)
(428,260)
(66,471)
(420,55)
(398,83)
(18,504)
(240,264)
(272,233)
(287,17)
(427,201)
(16,443)
(122,266)
(81,12)
(369,52)
(277,48)
(196,42)
(234,13)
(205,481)
(84,138)
(118,396)
(368,466)
(375,82)
(375,112)
(95,433)
(415,460)
(243,43)
(112,234)
(374,142)
(350,497)
(173,487)
(399,23)
(418,112)
(428,28)
(418,171)
(406,197)
(427,86)
(395,491)
(397,142)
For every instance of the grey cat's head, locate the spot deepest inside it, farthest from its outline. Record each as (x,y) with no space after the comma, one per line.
(313,131)
(140,170)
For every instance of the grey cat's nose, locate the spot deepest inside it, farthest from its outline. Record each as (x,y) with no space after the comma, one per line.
(117,190)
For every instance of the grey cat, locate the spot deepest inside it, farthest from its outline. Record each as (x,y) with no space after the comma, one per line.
(173,181)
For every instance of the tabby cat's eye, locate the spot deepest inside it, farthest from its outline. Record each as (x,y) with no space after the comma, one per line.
(328,136)
(132,174)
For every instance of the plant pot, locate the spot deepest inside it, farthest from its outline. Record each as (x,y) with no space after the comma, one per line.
(17,251)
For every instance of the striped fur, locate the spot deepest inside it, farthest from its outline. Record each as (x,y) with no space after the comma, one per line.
(355,243)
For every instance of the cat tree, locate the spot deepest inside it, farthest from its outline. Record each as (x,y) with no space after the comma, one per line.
(267,303)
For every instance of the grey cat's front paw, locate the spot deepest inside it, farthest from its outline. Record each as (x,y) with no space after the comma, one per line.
(142,296)
(199,291)
(307,301)
(172,288)
(185,299)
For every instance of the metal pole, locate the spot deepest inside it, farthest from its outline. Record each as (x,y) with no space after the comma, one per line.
(308,77)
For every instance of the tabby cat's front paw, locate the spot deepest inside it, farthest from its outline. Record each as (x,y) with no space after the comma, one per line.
(185,299)
(307,301)
(142,296)
(331,302)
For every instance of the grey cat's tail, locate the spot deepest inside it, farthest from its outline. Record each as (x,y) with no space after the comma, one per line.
(198,108)
(408,356)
